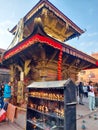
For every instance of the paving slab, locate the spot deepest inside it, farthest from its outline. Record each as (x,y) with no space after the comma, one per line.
(9,126)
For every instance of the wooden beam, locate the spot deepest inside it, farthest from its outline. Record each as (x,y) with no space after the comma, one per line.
(65,59)
(53,56)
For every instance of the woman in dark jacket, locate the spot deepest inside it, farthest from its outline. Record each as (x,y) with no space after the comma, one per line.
(1,95)
(81,92)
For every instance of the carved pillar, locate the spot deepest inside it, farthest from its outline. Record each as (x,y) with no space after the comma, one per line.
(43,72)
(12,73)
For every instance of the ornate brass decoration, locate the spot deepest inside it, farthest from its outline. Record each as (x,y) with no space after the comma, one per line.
(27,67)
(55,27)
(19,67)
(20,92)
(27,31)
(18,34)
(12,73)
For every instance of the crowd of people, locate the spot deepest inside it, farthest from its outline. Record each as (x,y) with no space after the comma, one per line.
(87,90)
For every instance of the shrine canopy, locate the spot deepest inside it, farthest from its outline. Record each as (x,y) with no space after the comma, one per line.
(45,24)
(54,22)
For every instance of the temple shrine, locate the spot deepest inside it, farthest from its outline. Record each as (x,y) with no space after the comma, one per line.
(38,51)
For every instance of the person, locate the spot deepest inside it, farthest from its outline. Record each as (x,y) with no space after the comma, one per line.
(12,94)
(85,89)
(1,95)
(81,92)
(7,92)
(91,96)
(77,93)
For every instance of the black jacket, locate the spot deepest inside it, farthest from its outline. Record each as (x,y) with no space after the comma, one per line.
(1,91)
(80,88)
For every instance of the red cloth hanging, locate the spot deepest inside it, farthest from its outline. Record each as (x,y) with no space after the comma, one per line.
(2,115)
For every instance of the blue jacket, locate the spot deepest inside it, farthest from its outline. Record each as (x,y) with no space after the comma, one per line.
(7,91)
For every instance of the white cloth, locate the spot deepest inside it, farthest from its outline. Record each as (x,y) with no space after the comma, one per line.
(85,88)
(91,93)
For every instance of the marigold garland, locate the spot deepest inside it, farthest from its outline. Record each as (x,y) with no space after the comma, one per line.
(59,65)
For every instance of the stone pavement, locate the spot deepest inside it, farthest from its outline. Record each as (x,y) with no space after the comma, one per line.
(19,123)
(85,119)
(9,126)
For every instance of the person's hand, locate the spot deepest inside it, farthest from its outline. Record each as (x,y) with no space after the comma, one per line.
(92,90)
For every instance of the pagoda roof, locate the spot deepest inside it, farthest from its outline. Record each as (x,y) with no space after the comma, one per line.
(55,23)
(39,36)
(45,24)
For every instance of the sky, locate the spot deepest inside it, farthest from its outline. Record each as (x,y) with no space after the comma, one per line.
(84,13)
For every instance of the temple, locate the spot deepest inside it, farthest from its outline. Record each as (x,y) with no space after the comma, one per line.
(38,51)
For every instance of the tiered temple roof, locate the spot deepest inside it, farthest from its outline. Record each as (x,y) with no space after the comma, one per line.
(45,24)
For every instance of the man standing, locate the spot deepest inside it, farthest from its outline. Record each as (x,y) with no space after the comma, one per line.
(91,96)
